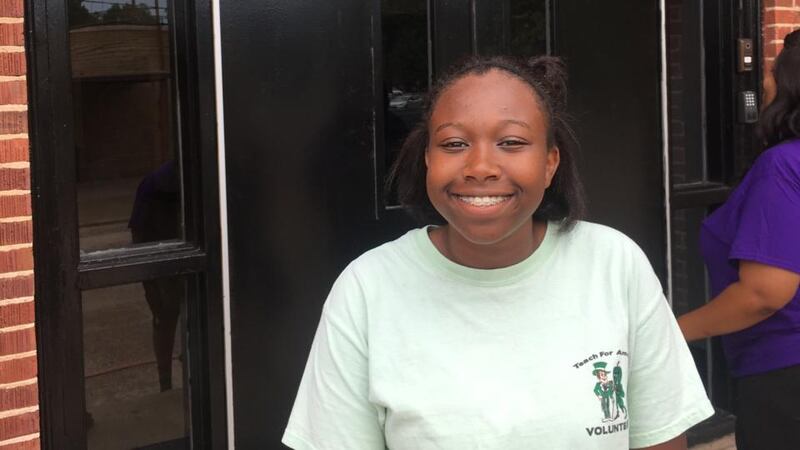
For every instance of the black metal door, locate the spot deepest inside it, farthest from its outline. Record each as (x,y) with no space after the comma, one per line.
(129,313)
(613,53)
(299,97)
(711,146)
(314,95)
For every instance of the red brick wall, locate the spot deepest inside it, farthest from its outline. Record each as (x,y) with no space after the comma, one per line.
(780,18)
(19,411)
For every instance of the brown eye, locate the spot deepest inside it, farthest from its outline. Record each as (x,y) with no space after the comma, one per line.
(454,145)
(512,143)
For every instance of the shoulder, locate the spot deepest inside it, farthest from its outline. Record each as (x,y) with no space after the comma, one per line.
(611,257)
(595,230)
(387,255)
(380,263)
(787,151)
(596,238)
(782,160)
(362,281)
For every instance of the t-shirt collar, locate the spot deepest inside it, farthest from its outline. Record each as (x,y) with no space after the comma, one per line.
(436,261)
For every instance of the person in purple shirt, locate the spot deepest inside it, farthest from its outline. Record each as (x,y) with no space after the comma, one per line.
(751,246)
(156,216)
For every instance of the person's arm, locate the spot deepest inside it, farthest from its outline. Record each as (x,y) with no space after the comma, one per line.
(679,443)
(761,291)
(332,410)
(665,394)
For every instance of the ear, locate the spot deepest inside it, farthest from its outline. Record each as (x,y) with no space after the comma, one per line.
(426,157)
(553,159)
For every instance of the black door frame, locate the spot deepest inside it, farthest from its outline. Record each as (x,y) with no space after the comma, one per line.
(730,145)
(61,274)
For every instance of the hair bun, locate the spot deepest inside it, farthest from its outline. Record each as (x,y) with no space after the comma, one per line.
(551,71)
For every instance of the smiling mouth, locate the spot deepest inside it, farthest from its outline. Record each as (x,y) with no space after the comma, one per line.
(484,201)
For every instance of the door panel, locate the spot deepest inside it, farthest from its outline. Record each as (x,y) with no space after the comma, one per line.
(306,118)
(299,144)
(104,114)
(612,51)
(452,32)
(134,339)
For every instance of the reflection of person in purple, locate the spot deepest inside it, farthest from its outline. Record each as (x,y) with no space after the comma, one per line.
(156,217)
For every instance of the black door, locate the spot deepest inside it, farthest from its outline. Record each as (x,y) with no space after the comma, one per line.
(129,318)
(317,95)
(711,145)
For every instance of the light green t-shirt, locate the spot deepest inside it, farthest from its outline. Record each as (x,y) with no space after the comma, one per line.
(573,348)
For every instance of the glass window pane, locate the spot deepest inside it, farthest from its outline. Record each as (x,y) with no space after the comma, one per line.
(685,78)
(125,134)
(405,70)
(134,343)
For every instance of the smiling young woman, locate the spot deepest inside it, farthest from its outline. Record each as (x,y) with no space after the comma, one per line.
(438,339)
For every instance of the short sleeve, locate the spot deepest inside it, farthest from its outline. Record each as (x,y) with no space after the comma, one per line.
(665,394)
(332,410)
(769,222)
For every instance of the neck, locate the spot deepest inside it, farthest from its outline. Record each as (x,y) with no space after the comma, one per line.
(508,251)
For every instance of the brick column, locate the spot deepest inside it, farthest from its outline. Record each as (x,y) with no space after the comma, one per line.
(19,409)
(780,17)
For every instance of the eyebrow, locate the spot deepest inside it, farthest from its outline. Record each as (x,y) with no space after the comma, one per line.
(459,125)
(448,124)
(517,122)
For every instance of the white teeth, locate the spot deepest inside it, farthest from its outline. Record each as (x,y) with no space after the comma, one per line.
(483,201)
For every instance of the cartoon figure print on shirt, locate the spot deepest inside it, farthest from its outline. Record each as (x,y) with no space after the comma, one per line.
(609,388)
(606,388)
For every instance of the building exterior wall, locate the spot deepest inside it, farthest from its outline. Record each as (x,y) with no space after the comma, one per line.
(779,18)
(19,411)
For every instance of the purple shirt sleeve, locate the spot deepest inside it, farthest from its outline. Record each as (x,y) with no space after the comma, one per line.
(760,222)
(769,221)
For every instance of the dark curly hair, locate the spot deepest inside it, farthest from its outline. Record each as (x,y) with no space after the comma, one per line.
(563,201)
(780,120)
(792,39)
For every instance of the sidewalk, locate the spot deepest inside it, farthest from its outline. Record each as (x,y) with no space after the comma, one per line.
(724,443)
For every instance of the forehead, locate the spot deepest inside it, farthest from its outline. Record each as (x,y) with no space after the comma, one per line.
(492,91)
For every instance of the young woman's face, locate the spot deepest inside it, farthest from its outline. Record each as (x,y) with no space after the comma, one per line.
(487,157)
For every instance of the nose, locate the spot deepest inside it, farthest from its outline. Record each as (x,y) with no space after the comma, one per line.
(481,164)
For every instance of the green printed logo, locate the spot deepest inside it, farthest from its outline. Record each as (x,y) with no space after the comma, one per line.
(610,391)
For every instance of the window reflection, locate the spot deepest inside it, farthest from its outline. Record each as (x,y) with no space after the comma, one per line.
(94,12)
(134,363)
(405,71)
(124,107)
(686,92)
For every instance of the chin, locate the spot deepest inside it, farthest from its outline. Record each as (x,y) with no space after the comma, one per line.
(488,234)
